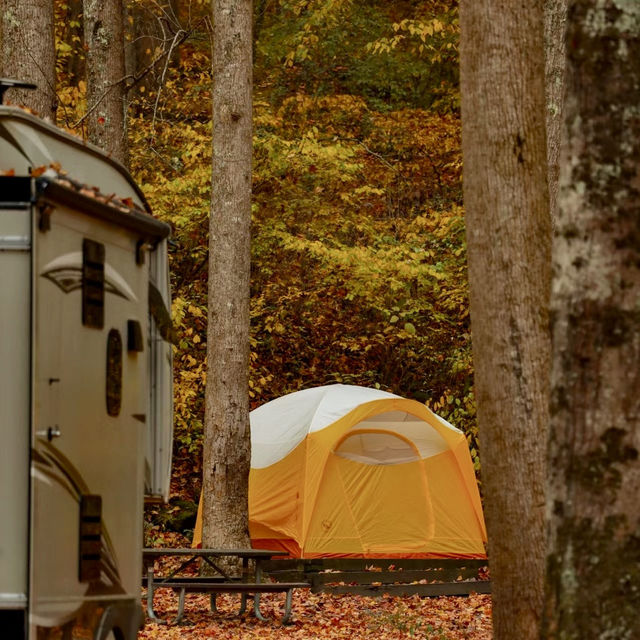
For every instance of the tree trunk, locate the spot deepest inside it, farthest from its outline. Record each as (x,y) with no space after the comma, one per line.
(154,29)
(593,579)
(227,435)
(106,88)
(509,236)
(555,23)
(28,53)
(142,40)
(72,35)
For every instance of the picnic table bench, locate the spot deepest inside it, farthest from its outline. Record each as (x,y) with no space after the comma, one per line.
(248,584)
(379,576)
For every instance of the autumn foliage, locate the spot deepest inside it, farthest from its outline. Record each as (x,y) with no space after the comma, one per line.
(358,247)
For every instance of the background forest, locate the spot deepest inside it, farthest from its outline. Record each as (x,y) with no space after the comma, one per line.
(358,248)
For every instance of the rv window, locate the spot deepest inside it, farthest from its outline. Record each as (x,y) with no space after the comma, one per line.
(90,532)
(134,336)
(92,284)
(114,372)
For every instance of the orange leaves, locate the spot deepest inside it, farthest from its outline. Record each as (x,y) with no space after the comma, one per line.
(38,171)
(320,617)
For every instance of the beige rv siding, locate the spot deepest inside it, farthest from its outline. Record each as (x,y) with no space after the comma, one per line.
(106,452)
(15,327)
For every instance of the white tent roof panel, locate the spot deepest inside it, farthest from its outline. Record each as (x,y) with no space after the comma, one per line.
(279,426)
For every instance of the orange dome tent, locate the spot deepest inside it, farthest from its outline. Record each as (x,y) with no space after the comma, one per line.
(346,471)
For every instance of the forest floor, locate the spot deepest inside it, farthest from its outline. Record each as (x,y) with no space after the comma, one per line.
(327,616)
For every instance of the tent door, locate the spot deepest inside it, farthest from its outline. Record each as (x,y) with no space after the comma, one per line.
(390,504)
(365,509)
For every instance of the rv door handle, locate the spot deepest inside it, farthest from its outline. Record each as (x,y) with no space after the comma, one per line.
(49,433)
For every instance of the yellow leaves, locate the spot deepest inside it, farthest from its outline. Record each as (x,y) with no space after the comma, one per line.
(189,361)
(410,328)
(196,311)
(429,38)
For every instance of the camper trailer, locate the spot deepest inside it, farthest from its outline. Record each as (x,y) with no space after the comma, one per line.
(85,384)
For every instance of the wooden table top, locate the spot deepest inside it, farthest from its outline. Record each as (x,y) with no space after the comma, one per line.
(238,553)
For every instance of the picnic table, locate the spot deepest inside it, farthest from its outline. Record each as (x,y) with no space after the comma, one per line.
(249,583)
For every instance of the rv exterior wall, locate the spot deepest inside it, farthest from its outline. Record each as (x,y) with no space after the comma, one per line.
(160,415)
(103,453)
(74,386)
(15,310)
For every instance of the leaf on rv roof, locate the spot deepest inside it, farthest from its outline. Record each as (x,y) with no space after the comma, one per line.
(21,107)
(8,172)
(128,201)
(36,172)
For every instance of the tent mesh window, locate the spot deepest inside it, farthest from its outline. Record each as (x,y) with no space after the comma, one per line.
(376,447)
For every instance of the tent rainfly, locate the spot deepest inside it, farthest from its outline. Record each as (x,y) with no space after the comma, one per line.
(347,471)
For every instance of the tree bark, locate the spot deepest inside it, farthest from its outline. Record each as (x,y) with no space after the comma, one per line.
(28,53)
(106,87)
(227,435)
(555,23)
(593,570)
(509,237)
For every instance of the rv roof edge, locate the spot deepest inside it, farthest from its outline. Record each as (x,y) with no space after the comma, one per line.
(7,111)
(143,223)
(11,83)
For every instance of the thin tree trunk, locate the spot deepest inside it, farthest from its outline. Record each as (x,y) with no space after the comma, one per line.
(106,87)
(28,53)
(227,436)
(555,23)
(509,235)
(153,30)
(142,40)
(593,579)
(73,36)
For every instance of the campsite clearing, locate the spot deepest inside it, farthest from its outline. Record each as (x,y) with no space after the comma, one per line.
(326,616)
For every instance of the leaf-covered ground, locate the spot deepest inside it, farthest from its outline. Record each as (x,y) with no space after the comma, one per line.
(327,617)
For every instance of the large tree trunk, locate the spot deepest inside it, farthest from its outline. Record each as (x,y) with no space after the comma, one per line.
(555,22)
(593,580)
(227,436)
(28,53)
(106,87)
(509,236)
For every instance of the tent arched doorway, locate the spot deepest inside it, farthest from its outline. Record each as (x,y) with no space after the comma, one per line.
(374,496)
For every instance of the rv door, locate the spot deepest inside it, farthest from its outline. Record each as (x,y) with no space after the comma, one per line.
(160,426)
